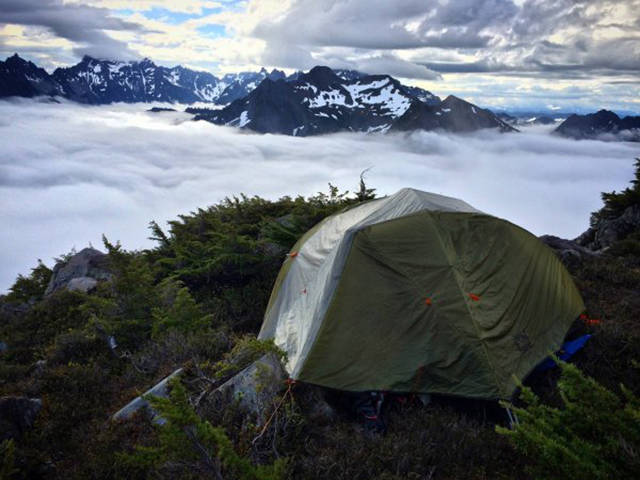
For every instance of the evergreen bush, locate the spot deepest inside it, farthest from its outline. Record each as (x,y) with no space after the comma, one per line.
(594,435)
(191,447)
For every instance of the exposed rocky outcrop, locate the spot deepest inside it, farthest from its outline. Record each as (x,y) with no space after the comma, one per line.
(159,390)
(81,272)
(569,251)
(17,415)
(607,231)
(256,387)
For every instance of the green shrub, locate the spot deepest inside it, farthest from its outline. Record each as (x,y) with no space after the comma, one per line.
(78,347)
(180,311)
(7,459)
(595,435)
(615,203)
(190,447)
(31,288)
(629,246)
(30,334)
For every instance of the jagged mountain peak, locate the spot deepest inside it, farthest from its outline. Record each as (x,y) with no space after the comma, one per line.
(602,122)
(321,75)
(349,74)
(16,60)
(147,62)
(318,101)
(606,114)
(20,77)
(453,100)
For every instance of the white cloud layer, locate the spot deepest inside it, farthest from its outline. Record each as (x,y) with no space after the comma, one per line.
(70,173)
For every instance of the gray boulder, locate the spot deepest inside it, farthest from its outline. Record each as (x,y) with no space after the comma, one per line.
(257,387)
(82,284)
(159,390)
(81,272)
(38,368)
(569,251)
(17,415)
(608,231)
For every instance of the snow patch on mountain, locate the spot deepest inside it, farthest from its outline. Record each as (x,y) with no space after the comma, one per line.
(389,98)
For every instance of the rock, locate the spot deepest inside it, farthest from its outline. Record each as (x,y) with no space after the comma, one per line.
(10,309)
(38,368)
(161,109)
(318,410)
(257,386)
(85,267)
(608,231)
(17,415)
(159,390)
(82,284)
(569,251)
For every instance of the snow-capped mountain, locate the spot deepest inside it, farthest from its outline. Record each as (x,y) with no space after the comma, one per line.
(321,101)
(97,81)
(527,119)
(238,85)
(421,94)
(104,81)
(24,79)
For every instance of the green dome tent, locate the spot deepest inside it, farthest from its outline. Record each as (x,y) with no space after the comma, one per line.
(418,292)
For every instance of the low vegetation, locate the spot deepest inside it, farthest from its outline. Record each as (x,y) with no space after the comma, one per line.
(615,203)
(196,301)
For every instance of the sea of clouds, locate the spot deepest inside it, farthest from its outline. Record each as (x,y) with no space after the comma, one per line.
(70,173)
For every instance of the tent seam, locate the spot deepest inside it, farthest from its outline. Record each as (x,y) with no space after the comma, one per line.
(471,315)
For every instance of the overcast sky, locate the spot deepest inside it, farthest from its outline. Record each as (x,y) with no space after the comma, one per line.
(69,173)
(564,54)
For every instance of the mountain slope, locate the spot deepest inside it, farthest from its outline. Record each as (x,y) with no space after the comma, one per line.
(105,81)
(599,123)
(238,85)
(318,102)
(24,79)
(321,101)
(452,114)
(99,82)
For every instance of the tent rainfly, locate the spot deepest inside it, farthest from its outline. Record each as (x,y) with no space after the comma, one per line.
(418,292)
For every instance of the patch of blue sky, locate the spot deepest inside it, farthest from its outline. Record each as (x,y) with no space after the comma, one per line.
(209,11)
(124,12)
(176,18)
(212,30)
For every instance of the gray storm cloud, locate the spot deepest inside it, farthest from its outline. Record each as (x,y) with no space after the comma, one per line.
(530,38)
(69,173)
(82,24)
